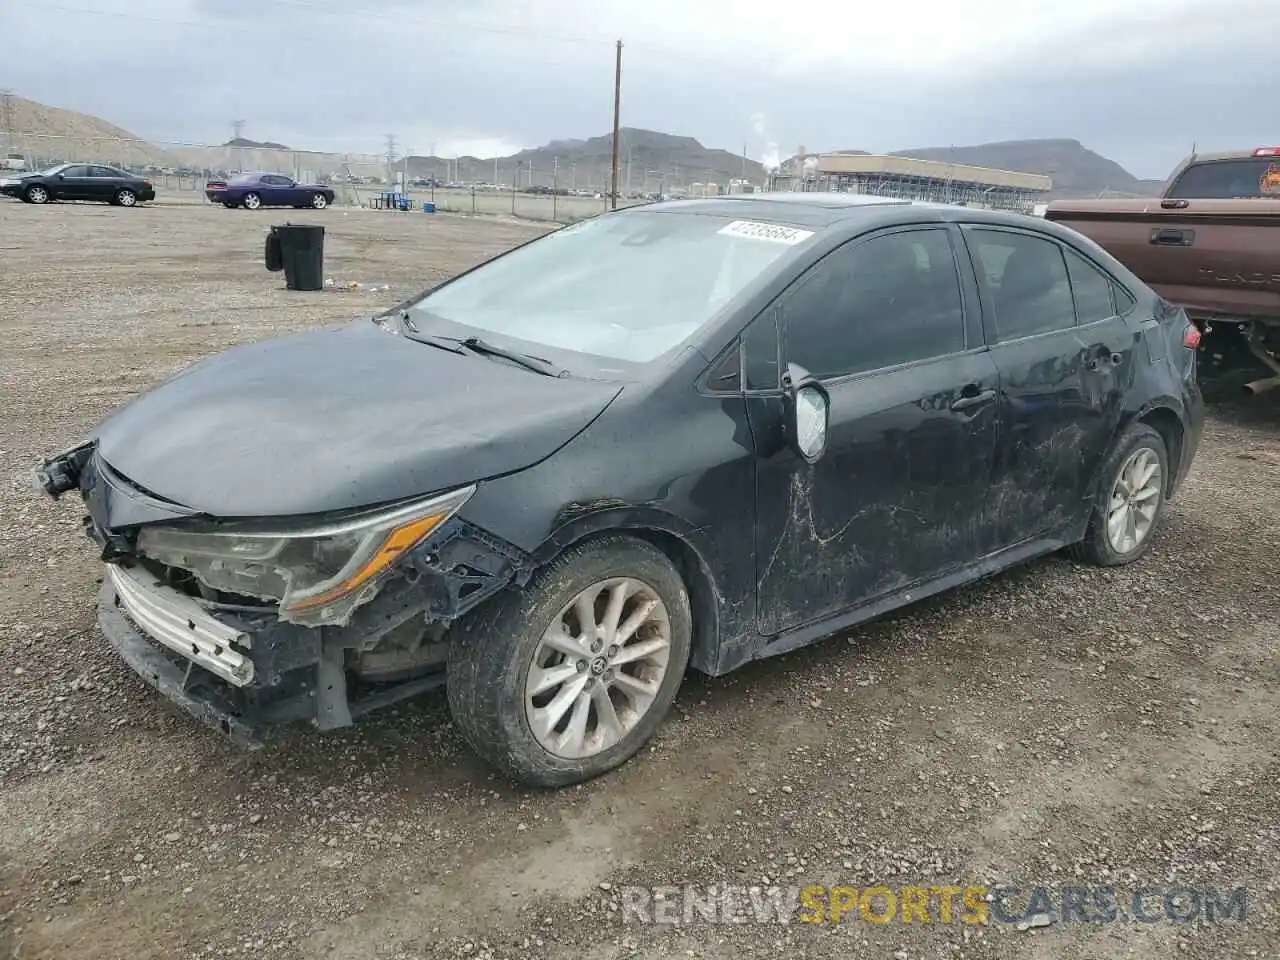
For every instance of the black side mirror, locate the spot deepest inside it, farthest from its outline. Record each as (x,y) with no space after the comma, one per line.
(808,407)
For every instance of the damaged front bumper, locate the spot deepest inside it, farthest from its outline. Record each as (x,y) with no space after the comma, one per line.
(241,668)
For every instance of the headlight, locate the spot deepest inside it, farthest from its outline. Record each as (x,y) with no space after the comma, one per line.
(319,574)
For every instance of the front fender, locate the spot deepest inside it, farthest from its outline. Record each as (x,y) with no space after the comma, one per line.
(684,544)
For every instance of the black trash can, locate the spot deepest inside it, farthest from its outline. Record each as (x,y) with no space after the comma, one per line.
(301,255)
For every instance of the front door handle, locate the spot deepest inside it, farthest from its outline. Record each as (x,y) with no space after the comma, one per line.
(968,401)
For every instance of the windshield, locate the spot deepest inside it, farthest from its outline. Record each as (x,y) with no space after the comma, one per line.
(50,171)
(626,286)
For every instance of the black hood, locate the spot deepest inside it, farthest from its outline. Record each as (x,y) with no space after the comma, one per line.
(338,418)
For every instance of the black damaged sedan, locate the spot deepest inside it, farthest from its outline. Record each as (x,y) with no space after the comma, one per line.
(688,434)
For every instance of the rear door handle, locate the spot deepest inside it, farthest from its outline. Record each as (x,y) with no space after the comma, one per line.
(1167,237)
(965,402)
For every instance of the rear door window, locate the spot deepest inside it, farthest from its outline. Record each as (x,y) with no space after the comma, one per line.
(1247,177)
(1025,281)
(1091,288)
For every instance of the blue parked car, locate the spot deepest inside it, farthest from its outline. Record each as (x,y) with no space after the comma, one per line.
(255,190)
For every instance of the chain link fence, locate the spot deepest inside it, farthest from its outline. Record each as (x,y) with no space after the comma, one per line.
(180,171)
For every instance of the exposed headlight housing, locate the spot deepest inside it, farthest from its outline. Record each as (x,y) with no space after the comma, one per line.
(320,573)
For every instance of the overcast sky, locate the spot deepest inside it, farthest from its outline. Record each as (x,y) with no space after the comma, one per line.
(1136,80)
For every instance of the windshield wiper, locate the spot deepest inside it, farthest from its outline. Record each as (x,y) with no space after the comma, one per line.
(476,345)
(526,360)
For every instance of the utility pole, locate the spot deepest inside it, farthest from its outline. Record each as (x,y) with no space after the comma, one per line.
(617,115)
(9,140)
(495,171)
(237,129)
(555,185)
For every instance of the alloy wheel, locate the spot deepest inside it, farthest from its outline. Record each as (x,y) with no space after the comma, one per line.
(598,668)
(1135,501)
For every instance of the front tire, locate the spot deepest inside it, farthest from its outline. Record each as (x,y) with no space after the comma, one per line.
(1129,504)
(251,201)
(569,677)
(319,201)
(36,194)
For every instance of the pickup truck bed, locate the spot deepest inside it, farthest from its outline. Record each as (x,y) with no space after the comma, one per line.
(1211,257)
(1216,254)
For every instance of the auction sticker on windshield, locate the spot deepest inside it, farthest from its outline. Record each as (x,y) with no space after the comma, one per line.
(773,232)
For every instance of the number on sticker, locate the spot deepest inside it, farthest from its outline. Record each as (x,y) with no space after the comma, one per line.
(772,232)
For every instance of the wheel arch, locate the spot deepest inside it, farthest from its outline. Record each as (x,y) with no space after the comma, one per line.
(1162,418)
(674,538)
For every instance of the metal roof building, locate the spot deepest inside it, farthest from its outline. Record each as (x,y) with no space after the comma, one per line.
(911,179)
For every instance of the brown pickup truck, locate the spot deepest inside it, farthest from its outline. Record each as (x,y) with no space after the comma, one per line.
(1210,243)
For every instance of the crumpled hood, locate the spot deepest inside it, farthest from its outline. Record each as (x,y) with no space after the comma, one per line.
(338,418)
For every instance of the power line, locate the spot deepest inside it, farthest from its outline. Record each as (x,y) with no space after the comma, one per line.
(364,13)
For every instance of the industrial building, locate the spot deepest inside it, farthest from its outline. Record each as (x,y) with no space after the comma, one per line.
(911,179)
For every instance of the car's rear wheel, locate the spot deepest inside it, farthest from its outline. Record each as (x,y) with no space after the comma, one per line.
(569,677)
(251,201)
(319,201)
(36,194)
(1129,504)
(125,198)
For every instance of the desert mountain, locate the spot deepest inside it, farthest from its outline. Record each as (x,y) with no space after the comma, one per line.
(50,134)
(646,160)
(1076,170)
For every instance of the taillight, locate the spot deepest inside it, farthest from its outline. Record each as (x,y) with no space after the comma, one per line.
(147,184)
(1191,337)
(1267,152)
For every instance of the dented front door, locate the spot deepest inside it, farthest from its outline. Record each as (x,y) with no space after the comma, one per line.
(898,498)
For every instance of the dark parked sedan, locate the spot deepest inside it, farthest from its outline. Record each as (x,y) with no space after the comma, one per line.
(695,433)
(255,190)
(79,181)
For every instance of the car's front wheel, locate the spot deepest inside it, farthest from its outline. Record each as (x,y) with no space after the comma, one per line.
(1129,503)
(569,677)
(36,194)
(319,201)
(251,201)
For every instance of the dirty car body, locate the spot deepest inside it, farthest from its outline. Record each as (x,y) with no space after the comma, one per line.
(303,528)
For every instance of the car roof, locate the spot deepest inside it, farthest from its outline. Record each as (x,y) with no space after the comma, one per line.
(825,209)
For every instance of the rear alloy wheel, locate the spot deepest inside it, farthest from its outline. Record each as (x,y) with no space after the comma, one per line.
(568,678)
(251,201)
(36,194)
(319,201)
(1128,506)
(125,198)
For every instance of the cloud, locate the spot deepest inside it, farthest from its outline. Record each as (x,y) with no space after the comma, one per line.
(1136,80)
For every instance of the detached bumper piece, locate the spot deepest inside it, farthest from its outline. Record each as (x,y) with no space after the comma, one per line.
(181,624)
(243,675)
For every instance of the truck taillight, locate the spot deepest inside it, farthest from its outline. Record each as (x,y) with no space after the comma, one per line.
(1191,337)
(1267,152)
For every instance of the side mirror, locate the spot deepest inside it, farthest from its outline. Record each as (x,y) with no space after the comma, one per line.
(808,408)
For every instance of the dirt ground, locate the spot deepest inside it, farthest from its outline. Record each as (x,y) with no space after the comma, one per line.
(1054,726)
